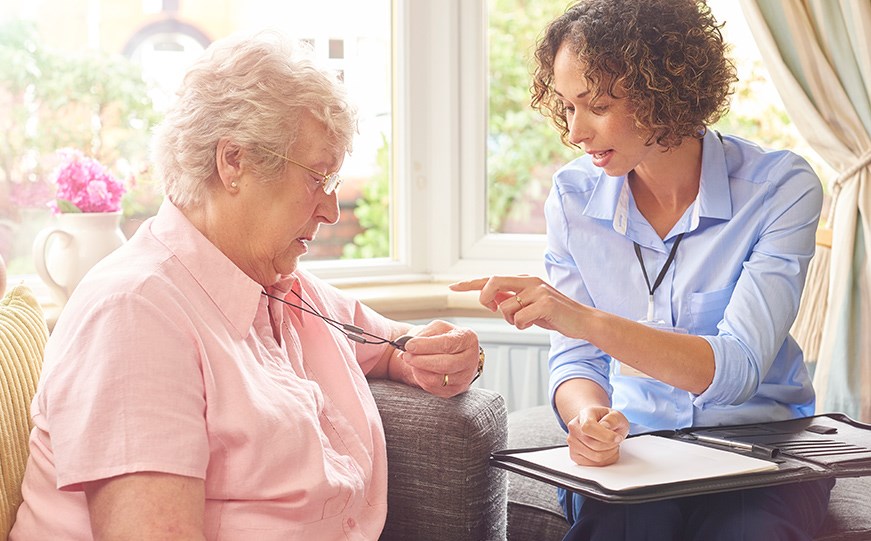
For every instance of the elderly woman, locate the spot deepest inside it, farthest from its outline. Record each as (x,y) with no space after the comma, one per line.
(199,385)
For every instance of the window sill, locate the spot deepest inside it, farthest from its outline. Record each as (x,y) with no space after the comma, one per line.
(418,300)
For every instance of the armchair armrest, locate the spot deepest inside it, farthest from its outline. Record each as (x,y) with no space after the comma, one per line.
(440,485)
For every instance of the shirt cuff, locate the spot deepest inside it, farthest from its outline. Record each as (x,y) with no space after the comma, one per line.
(723,390)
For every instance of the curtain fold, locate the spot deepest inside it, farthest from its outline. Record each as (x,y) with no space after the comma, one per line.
(819,55)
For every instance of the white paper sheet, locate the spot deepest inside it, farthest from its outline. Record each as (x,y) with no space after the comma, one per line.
(652,460)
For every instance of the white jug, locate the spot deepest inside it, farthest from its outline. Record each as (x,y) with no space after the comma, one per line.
(64,253)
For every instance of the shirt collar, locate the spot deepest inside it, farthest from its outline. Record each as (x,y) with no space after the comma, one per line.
(610,197)
(606,201)
(234,293)
(715,195)
(290,290)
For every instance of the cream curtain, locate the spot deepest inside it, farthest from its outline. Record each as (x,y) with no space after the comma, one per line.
(819,55)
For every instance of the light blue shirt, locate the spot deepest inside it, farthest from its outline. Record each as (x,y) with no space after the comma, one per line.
(736,281)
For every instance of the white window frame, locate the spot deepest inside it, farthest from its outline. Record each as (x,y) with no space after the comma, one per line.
(480,249)
(440,117)
(440,131)
(439,162)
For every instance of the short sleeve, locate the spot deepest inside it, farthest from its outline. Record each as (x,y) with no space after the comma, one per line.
(124,392)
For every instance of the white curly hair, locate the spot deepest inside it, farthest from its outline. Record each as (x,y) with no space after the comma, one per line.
(253,90)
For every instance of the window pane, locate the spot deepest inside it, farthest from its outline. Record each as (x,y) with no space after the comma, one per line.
(96,75)
(523,148)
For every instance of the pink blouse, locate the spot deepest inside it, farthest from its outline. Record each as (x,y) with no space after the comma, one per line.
(166,360)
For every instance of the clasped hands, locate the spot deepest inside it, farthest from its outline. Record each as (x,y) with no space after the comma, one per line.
(595,436)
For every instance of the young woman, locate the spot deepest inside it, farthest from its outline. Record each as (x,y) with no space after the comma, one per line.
(676,258)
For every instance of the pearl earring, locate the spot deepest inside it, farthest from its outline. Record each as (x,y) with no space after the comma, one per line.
(234,185)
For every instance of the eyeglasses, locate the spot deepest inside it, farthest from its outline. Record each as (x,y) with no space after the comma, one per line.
(330,181)
(352,332)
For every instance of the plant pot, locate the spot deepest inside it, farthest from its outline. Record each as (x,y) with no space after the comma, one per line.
(65,252)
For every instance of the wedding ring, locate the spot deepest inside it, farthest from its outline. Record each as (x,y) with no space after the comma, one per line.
(445,382)
(520,302)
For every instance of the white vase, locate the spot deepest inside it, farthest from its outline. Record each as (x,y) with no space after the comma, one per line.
(64,252)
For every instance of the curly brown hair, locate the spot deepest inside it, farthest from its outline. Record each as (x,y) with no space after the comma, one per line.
(667,57)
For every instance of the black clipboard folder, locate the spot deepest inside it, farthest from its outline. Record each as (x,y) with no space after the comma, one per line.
(817,447)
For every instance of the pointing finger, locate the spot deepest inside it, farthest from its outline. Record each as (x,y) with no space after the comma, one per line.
(469,285)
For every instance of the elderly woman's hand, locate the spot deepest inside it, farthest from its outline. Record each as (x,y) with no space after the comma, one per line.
(443,358)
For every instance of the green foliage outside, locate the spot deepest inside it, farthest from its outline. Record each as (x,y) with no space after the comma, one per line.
(91,101)
(524,148)
(372,212)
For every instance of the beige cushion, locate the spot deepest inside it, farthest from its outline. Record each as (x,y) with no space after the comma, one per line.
(23,334)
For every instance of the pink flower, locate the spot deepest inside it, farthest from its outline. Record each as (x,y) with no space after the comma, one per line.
(84,184)
(97,192)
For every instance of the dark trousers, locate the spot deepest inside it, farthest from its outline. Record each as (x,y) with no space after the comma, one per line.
(780,513)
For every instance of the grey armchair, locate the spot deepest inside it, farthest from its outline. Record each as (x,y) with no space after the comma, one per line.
(440,486)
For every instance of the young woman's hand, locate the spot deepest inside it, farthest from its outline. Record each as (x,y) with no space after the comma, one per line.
(595,436)
(525,301)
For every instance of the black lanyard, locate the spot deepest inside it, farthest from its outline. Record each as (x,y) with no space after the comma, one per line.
(665,266)
(352,332)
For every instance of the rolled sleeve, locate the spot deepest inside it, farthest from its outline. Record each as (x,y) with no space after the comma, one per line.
(765,301)
(728,369)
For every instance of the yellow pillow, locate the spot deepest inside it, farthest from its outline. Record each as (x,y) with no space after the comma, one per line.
(23,334)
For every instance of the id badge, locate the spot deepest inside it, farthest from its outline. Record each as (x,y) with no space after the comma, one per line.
(625,370)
